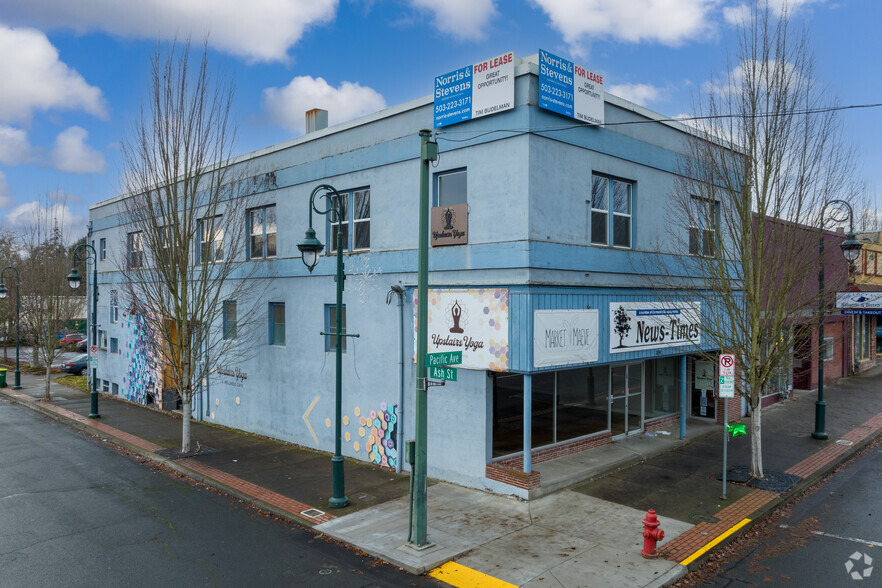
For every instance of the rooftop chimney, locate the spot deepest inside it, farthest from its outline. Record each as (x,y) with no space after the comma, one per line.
(316,120)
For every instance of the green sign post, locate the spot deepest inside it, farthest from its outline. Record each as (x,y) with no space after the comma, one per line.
(443,373)
(446,358)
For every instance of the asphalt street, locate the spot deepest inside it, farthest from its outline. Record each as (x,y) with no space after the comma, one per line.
(832,537)
(75,512)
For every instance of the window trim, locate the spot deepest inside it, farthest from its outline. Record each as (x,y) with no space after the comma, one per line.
(135,255)
(828,346)
(436,201)
(701,250)
(610,211)
(216,226)
(114,307)
(350,223)
(114,345)
(262,209)
(227,332)
(272,325)
(331,311)
(102,249)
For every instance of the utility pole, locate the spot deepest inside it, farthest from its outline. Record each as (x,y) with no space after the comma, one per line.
(428,153)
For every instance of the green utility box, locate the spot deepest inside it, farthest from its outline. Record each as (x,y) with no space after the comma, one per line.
(2,377)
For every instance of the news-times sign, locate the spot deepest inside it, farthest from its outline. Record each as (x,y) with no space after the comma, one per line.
(476,90)
(636,326)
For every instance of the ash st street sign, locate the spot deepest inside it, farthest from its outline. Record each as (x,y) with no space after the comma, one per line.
(438,362)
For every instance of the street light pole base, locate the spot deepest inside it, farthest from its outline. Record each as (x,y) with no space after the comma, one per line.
(820,420)
(340,502)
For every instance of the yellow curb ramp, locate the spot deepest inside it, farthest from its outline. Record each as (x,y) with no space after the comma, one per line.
(460,576)
(710,545)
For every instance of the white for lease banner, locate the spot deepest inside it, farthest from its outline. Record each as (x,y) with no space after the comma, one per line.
(635,326)
(486,87)
(562,337)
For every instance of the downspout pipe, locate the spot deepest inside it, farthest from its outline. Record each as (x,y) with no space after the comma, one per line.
(399,434)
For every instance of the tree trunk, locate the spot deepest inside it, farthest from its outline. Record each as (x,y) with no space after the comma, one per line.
(756,440)
(185,428)
(48,380)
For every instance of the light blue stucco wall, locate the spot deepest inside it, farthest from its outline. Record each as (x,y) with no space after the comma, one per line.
(528,231)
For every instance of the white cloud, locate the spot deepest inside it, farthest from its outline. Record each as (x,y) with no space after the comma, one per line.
(14,146)
(742,14)
(738,15)
(34,78)
(259,30)
(634,21)
(463,19)
(71,154)
(287,106)
(5,192)
(755,73)
(45,214)
(641,94)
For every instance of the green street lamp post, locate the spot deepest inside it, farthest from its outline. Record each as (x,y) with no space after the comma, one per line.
(310,248)
(3,293)
(74,280)
(851,248)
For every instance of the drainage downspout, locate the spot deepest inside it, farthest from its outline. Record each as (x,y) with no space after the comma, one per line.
(399,441)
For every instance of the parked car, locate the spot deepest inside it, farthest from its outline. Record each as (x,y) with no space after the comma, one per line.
(70,339)
(77,365)
(82,345)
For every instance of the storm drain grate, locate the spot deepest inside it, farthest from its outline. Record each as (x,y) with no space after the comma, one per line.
(312,513)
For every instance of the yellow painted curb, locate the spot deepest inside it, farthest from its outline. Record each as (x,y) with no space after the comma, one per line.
(710,545)
(456,575)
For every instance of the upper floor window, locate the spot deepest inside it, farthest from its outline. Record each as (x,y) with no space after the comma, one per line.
(611,202)
(211,239)
(262,232)
(135,250)
(703,233)
(102,249)
(114,307)
(355,222)
(451,188)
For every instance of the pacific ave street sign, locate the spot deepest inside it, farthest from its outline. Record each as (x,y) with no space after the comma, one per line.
(446,358)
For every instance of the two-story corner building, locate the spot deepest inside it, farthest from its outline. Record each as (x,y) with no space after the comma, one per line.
(543,232)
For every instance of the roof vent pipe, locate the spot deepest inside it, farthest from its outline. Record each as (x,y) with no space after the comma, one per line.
(316,120)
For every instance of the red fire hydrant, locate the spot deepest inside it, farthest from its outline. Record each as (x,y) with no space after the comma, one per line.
(651,535)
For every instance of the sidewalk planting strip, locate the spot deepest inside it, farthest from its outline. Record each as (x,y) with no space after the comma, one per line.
(692,544)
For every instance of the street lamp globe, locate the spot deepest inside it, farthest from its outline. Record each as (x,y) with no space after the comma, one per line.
(310,248)
(74,279)
(851,247)
(3,291)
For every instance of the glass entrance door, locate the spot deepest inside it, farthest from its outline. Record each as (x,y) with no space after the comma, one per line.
(626,399)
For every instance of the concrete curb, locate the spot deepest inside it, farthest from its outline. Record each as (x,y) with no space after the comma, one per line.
(83,425)
(782,499)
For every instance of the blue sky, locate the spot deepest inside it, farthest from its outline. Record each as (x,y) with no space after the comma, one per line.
(74,72)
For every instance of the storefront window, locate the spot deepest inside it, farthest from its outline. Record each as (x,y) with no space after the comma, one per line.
(566,405)
(663,387)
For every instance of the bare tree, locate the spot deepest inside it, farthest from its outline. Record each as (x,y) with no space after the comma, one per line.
(10,254)
(184,262)
(754,181)
(47,302)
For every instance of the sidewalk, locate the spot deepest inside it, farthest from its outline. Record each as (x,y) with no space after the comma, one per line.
(590,533)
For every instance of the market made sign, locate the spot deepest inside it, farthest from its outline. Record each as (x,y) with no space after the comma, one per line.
(474,322)
(562,337)
(635,326)
(486,87)
(570,89)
